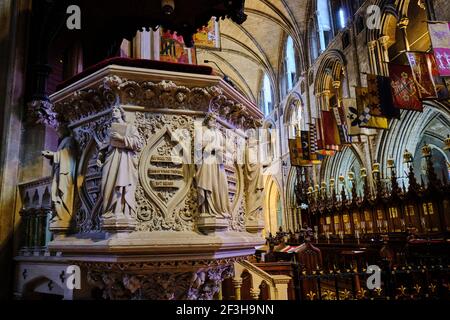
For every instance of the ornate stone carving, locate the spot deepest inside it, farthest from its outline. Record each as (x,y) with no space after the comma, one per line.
(211,179)
(165,196)
(63,185)
(118,159)
(162,95)
(201,284)
(254,185)
(89,178)
(41,111)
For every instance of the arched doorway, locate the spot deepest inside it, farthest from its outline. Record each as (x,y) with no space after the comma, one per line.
(273,214)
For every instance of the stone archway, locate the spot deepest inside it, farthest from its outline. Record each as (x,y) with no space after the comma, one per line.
(410,133)
(273,217)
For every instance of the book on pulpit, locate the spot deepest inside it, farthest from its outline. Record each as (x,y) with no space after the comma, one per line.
(120,128)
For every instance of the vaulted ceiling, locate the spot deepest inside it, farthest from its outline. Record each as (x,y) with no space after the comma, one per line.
(256,47)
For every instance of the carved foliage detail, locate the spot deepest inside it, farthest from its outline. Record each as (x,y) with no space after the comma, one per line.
(198,285)
(165,198)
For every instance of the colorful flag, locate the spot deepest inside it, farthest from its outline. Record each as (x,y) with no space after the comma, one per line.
(295,151)
(330,130)
(441,87)
(321,149)
(313,146)
(313,138)
(440,38)
(342,126)
(380,97)
(351,116)
(365,118)
(421,71)
(404,89)
(306,149)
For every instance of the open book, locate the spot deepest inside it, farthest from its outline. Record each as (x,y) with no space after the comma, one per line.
(120,128)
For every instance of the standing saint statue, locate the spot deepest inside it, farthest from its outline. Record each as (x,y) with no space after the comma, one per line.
(253,171)
(63,185)
(119,162)
(211,178)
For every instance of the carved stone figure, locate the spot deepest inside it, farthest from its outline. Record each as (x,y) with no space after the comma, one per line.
(254,178)
(119,161)
(253,171)
(63,185)
(211,178)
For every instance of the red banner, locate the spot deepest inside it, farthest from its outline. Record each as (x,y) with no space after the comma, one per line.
(421,69)
(404,90)
(440,38)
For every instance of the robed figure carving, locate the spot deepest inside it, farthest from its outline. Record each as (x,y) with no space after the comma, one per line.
(253,171)
(211,178)
(63,184)
(119,162)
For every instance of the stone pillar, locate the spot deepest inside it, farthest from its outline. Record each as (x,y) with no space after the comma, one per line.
(237,283)
(255,293)
(384,41)
(372,45)
(14,16)
(326,100)
(403,25)
(337,86)
(220,293)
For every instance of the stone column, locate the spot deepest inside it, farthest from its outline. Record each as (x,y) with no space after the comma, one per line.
(14,16)
(384,40)
(403,25)
(337,86)
(255,293)
(220,293)
(326,100)
(237,283)
(372,45)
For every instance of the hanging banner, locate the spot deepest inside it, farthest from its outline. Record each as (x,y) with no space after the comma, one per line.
(338,111)
(172,49)
(295,148)
(208,36)
(380,100)
(321,149)
(440,39)
(404,90)
(366,120)
(306,150)
(331,139)
(441,88)
(421,71)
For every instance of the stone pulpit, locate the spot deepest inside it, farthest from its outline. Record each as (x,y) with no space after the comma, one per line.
(153,193)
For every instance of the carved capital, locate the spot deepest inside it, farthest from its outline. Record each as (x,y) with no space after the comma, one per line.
(372,45)
(41,111)
(384,40)
(403,23)
(336,84)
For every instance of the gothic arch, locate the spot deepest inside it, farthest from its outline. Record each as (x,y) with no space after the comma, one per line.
(330,69)
(291,200)
(349,159)
(294,114)
(407,133)
(273,206)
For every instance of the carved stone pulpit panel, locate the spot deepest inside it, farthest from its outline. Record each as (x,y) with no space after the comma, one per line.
(137,133)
